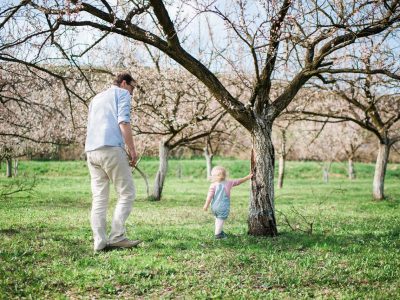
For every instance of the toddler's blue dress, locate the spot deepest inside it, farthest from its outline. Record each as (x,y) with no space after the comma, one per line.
(220,203)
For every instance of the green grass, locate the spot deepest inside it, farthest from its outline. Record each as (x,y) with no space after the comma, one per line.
(353,252)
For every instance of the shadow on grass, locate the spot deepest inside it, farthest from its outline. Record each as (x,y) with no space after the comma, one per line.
(337,243)
(57,202)
(71,235)
(76,240)
(9,231)
(285,242)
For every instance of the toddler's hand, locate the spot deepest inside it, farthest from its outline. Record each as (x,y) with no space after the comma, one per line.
(205,208)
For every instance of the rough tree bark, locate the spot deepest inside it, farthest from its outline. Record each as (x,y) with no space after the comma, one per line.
(261,219)
(380,171)
(162,171)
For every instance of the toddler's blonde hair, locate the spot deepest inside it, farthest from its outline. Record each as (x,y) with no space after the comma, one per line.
(218,173)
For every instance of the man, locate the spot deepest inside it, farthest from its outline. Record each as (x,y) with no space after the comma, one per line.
(108,132)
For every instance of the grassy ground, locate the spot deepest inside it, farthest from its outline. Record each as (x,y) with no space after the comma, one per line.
(352,253)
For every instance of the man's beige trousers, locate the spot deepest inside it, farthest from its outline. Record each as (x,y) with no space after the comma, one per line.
(105,165)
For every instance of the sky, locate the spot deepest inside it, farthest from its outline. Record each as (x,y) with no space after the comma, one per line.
(194,35)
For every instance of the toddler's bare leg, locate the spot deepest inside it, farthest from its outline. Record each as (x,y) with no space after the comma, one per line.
(219,223)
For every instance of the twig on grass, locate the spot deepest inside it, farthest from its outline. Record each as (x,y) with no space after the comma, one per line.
(135,167)
(297,226)
(20,185)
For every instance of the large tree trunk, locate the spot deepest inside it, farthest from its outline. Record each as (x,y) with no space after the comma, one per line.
(380,171)
(209,157)
(352,171)
(261,219)
(162,171)
(9,167)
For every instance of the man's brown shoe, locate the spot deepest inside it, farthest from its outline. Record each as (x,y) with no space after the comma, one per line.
(125,244)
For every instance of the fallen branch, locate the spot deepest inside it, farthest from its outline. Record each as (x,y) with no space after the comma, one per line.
(135,167)
(15,186)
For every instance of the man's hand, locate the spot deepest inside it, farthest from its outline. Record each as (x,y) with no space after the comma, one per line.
(132,157)
(128,139)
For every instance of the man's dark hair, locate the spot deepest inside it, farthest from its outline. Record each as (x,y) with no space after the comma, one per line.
(123,76)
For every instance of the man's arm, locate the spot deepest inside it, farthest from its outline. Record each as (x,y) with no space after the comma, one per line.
(128,139)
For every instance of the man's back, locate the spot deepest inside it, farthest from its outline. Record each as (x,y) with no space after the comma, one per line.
(106,111)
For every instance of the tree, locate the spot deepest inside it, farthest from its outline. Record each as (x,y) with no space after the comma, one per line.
(226,138)
(294,39)
(178,110)
(373,103)
(322,145)
(352,139)
(285,137)
(32,119)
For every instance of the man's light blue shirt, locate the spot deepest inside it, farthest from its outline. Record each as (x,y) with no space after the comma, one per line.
(106,111)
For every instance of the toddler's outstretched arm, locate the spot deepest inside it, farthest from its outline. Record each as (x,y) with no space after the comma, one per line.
(241,180)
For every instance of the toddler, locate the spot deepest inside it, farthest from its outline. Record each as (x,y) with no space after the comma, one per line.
(219,197)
